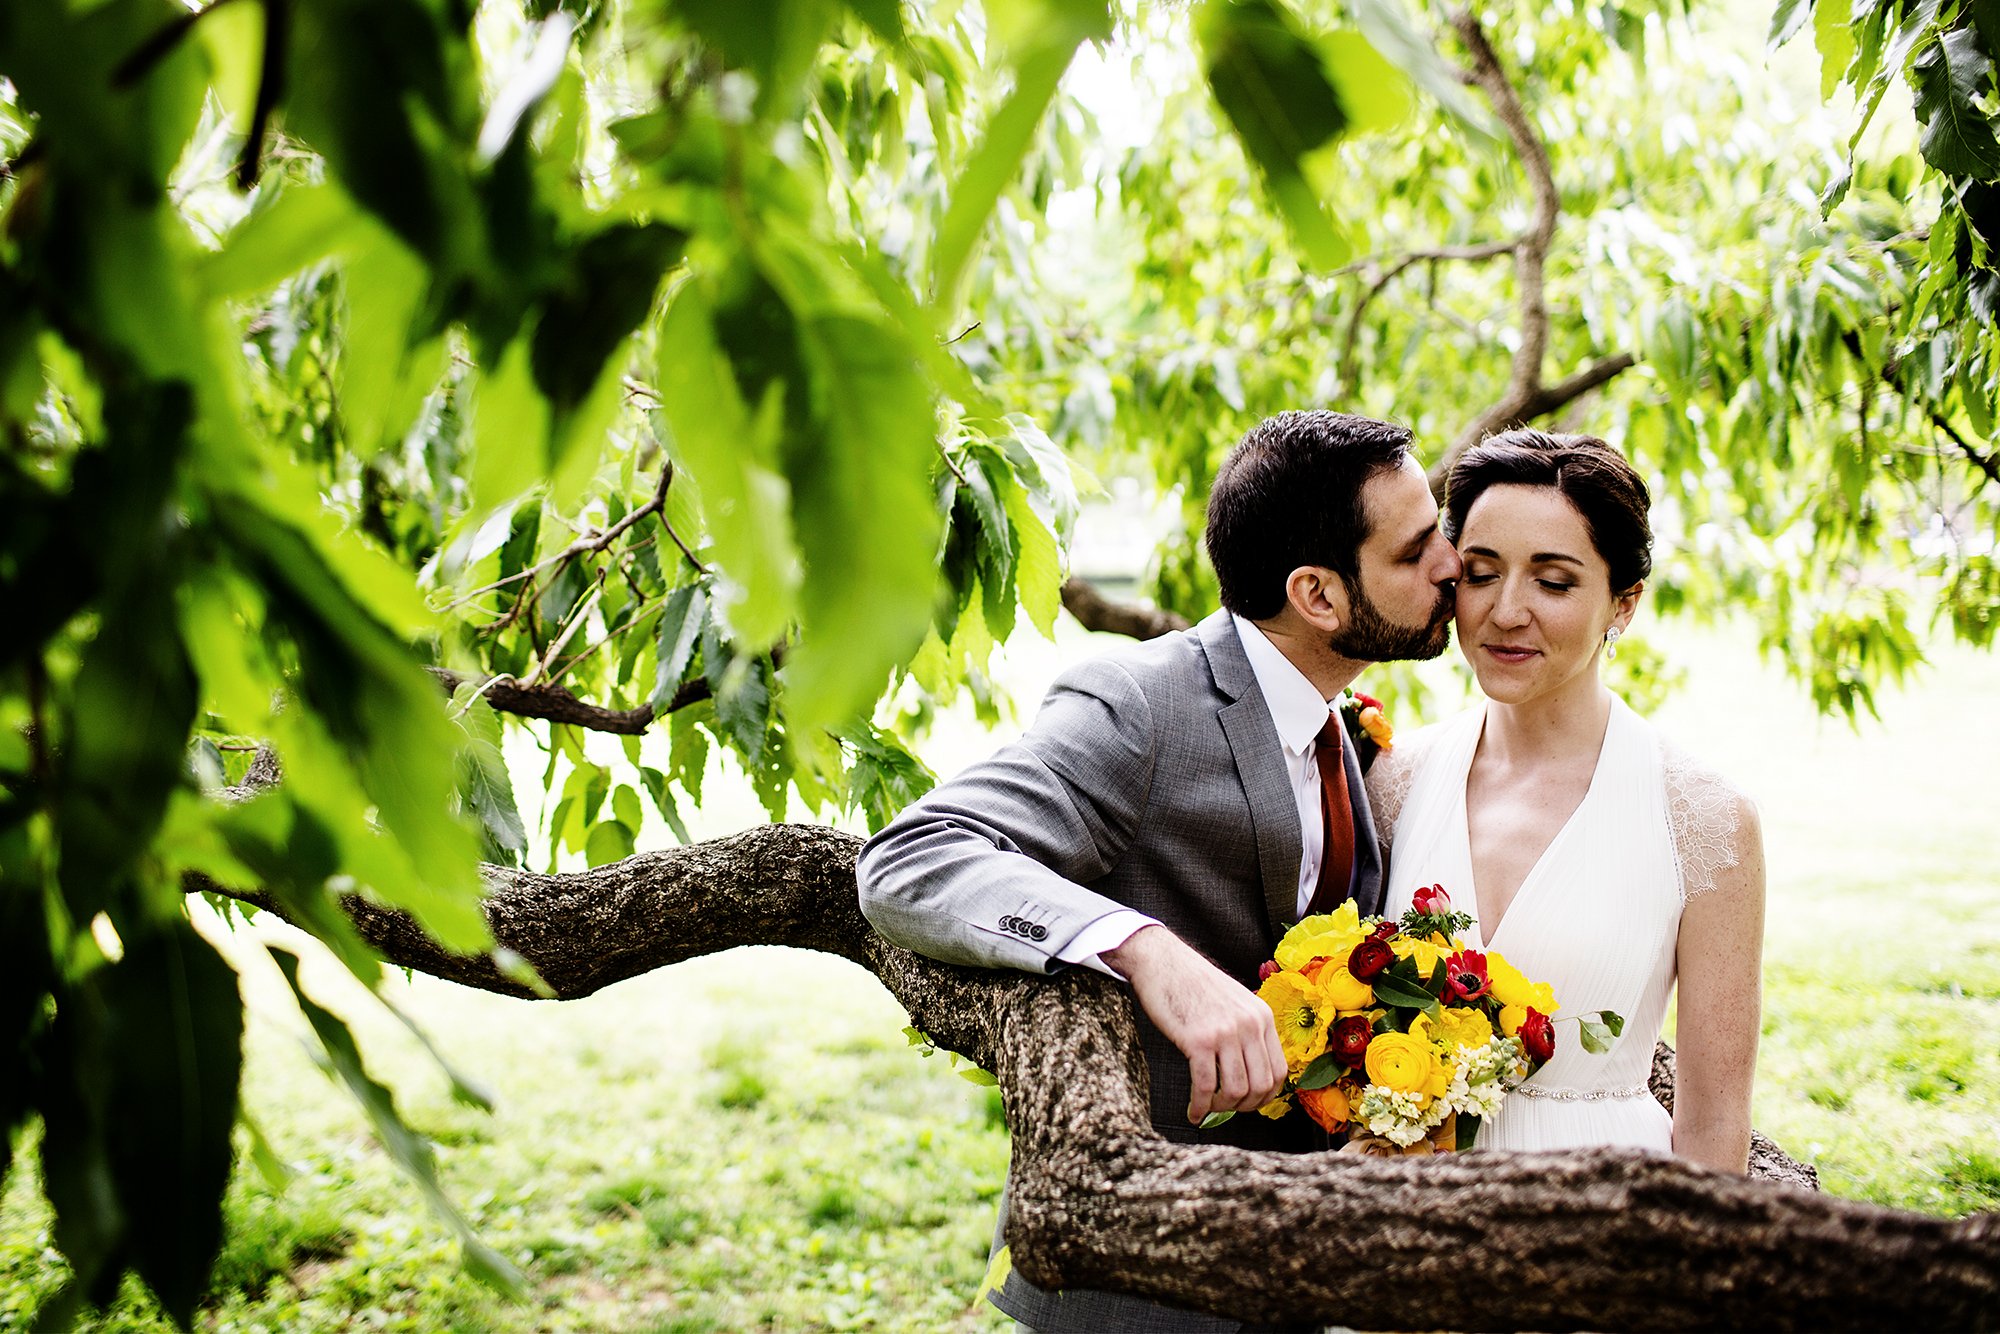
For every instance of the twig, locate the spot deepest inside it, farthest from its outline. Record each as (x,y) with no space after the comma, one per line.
(587,542)
(963,333)
(270,88)
(1386,274)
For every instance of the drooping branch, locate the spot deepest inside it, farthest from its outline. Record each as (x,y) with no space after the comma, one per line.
(1605,1239)
(1525,396)
(1094,611)
(557,705)
(1382,271)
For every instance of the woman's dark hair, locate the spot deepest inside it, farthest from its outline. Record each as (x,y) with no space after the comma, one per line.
(1606,490)
(1289,494)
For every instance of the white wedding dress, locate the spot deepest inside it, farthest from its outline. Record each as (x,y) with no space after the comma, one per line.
(1597,917)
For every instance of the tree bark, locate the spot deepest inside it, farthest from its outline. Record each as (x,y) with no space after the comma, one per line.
(1094,611)
(1606,1239)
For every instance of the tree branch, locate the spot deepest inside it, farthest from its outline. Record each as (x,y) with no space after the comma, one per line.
(1602,1239)
(1386,273)
(1094,611)
(1525,398)
(558,705)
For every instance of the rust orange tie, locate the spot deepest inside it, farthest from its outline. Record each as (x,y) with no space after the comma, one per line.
(1336,862)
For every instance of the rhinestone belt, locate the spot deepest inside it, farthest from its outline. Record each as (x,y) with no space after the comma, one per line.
(1581,1095)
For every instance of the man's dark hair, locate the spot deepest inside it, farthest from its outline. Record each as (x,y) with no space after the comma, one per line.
(1605,489)
(1288,495)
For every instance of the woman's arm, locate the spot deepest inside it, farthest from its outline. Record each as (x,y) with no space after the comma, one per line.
(1721,949)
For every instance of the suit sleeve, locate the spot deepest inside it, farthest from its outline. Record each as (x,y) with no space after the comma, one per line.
(989,869)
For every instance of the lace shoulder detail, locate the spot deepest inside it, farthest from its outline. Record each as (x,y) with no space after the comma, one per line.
(1704,815)
(1389,780)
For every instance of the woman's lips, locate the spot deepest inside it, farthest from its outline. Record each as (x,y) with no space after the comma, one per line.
(1509,653)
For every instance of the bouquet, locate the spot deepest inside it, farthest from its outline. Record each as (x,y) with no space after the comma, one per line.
(1400,1037)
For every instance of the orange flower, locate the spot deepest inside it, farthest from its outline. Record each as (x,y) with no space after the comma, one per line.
(1377,727)
(1327,1106)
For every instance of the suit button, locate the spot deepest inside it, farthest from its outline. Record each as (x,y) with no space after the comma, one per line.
(1039,932)
(1007,923)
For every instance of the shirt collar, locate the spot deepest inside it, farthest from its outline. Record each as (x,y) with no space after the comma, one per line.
(1298,710)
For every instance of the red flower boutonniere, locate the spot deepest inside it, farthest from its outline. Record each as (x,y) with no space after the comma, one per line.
(1367,725)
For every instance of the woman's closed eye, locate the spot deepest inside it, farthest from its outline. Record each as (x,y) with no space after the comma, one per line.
(1555,585)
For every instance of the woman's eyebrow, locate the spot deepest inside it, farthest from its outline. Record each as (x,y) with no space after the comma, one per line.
(1539,558)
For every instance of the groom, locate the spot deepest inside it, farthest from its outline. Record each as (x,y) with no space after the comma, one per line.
(1178,803)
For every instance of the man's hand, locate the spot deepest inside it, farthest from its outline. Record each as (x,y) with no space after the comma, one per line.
(1227,1034)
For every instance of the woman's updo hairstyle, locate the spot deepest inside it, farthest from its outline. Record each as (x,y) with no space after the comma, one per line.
(1606,490)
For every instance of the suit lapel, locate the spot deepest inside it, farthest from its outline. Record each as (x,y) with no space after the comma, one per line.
(1260,766)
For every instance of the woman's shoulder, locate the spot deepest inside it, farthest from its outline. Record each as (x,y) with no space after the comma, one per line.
(1395,769)
(1713,821)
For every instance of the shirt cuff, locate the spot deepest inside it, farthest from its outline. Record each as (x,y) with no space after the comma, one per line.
(1106,933)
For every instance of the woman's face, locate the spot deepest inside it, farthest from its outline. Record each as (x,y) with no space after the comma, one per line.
(1535,598)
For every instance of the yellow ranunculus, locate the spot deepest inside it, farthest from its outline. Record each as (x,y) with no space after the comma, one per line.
(1466,1027)
(1425,953)
(1343,991)
(1511,1019)
(1296,1006)
(1277,1109)
(1405,1063)
(1332,935)
(1512,988)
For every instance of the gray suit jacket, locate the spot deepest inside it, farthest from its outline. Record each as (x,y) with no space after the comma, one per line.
(1152,779)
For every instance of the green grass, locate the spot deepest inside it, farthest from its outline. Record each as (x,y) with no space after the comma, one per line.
(746,1143)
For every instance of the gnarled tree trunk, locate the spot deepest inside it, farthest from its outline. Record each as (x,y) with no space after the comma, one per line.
(1606,1239)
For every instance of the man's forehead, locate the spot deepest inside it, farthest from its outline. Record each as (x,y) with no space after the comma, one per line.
(1399,504)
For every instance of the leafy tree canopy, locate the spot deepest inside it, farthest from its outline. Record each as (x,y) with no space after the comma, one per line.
(375,374)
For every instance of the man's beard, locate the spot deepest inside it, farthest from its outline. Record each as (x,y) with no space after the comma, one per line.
(1369,636)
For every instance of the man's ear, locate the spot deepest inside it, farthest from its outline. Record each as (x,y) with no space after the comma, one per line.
(1318,596)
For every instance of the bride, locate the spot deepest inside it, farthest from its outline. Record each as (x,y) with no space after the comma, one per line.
(1591,853)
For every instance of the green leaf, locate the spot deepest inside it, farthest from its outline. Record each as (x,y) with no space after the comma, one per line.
(609,841)
(1789,16)
(409,1150)
(1272,84)
(972,1074)
(1468,1131)
(1833,35)
(866,601)
(1389,29)
(138,1104)
(727,449)
(884,16)
(997,1270)
(1597,1037)
(1950,77)
(663,802)
(683,617)
(487,786)
(1049,36)
(772,39)
(1393,990)
(1214,1119)
(1325,1069)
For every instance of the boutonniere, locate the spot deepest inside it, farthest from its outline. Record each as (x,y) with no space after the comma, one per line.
(1367,726)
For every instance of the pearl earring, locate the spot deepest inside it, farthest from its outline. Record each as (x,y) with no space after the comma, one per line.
(1611,642)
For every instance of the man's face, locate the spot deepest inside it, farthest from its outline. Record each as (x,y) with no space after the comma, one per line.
(1401,605)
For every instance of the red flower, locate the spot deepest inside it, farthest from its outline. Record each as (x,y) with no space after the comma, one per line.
(1349,1040)
(1385,931)
(1367,701)
(1265,969)
(1431,901)
(1465,977)
(1538,1036)
(1370,957)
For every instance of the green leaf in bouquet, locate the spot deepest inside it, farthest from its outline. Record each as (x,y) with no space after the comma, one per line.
(1324,1070)
(1405,995)
(1613,1021)
(1214,1119)
(1468,1131)
(1597,1037)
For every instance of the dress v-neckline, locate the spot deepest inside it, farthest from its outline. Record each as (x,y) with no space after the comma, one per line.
(1534,874)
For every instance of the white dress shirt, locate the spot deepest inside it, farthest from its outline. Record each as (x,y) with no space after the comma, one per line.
(1298,711)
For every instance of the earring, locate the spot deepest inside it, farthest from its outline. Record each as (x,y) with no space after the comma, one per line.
(1611,642)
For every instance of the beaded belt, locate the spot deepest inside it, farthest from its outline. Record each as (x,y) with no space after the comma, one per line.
(1581,1095)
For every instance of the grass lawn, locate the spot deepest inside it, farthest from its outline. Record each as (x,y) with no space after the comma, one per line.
(745,1142)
